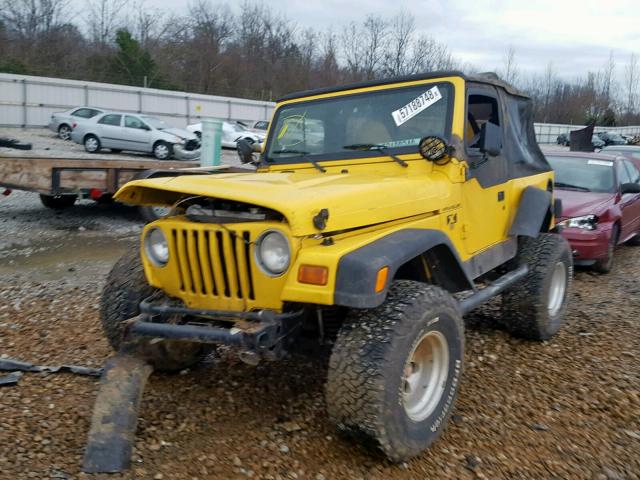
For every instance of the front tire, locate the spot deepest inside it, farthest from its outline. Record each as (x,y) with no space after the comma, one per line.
(395,370)
(126,286)
(604,265)
(534,308)
(152,213)
(92,144)
(162,151)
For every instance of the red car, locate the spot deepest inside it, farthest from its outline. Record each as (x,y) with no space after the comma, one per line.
(600,204)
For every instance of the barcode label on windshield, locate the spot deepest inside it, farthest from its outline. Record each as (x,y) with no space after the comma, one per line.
(415,106)
(603,163)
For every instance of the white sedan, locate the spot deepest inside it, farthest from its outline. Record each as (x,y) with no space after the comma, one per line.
(231,133)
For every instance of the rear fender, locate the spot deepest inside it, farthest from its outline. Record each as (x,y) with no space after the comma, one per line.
(534,213)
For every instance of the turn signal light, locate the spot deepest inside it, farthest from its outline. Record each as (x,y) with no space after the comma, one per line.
(313,274)
(381,279)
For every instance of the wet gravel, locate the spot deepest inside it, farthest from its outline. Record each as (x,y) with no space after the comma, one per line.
(567,408)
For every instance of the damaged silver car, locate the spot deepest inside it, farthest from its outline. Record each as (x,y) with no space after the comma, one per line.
(138,133)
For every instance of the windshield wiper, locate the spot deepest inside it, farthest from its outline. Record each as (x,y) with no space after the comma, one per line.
(378,148)
(569,185)
(305,156)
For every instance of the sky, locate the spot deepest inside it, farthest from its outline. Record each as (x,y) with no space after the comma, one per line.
(575,35)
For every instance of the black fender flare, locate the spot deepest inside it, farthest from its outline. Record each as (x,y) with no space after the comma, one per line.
(535,206)
(358,270)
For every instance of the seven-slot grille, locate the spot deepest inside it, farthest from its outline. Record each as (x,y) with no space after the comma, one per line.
(216,263)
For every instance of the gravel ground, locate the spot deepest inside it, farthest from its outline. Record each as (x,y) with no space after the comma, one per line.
(567,408)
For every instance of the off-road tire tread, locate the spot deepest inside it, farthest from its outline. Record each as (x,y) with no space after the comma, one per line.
(126,285)
(523,309)
(360,354)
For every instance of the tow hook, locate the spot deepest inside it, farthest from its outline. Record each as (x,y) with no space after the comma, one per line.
(7,192)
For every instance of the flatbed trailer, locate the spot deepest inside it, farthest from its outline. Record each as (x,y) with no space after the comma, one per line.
(61,181)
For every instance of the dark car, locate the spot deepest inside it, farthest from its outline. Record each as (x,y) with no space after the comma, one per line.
(630,152)
(610,138)
(597,142)
(600,205)
(563,139)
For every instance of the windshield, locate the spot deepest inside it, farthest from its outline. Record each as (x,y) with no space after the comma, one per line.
(236,127)
(583,173)
(348,126)
(156,123)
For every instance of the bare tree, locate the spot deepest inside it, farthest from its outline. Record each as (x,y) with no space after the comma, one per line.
(631,83)
(103,18)
(510,71)
(363,47)
(397,59)
(608,74)
(29,18)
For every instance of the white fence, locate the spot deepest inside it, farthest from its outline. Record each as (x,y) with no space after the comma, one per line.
(548,132)
(27,101)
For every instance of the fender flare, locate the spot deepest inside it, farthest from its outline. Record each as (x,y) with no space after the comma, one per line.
(535,205)
(357,270)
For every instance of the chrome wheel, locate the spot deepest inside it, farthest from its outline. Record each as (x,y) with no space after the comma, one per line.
(64,132)
(161,151)
(425,376)
(557,288)
(91,144)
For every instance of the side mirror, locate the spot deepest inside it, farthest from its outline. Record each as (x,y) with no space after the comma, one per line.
(630,188)
(490,139)
(245,151)
(145,127)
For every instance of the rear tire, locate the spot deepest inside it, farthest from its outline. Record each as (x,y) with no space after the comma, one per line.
(58,202)
(64,132)
(126,286)
(395,370)
(534,308)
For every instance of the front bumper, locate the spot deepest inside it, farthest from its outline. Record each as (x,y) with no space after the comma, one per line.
(180,153)
(588,245)
(258,331)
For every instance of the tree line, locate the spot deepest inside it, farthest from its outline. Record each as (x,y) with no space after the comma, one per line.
(253,52)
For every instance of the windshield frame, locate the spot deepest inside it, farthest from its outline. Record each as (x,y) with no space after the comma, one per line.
(355,154)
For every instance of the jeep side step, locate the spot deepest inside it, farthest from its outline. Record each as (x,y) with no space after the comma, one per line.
(115,414)
(501,284)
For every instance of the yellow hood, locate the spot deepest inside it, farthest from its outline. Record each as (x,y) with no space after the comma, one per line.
(352,199)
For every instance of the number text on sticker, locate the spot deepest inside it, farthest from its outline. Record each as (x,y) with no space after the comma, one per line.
(415,106)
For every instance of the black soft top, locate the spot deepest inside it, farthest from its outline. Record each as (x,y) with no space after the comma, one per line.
(488,78)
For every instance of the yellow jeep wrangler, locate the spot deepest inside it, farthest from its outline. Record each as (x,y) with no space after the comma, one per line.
(378,215)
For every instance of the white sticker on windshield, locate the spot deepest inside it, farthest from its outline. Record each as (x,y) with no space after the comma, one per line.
(417,105)
(604,163)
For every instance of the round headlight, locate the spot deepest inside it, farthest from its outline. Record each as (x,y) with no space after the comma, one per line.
(273,253)
(156,247)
